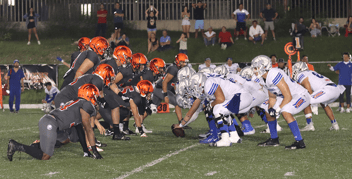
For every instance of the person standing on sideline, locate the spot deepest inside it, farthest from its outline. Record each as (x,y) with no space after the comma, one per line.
(233,68)
(186,25)
(14,82)
(183,43)
(118,19)
(241,16)
(345,72)
(101,14)
(151,13)
(31,23)
(269,15)
(305,60)
(50,93)
(199,17)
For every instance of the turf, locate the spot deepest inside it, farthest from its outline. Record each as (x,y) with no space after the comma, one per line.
(327,154)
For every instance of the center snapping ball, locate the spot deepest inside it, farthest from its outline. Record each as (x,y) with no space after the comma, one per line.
(178,132)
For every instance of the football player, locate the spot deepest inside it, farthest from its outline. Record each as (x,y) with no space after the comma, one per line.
(83,45)
(75,113)
(323,91)
(139,66)
(51,92)
(87,61)
(165,88)
(295,99)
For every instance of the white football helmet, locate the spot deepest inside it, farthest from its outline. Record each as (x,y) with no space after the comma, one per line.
(221,70)
(247,73)
(182,88)
(185,72)
(261,64)
(206,70)
(196,85)
(298,68)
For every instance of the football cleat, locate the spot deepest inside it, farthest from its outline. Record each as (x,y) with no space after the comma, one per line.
(129,132)
(145,130)
(120,137)
(296,145)
(248,132)
(239,130)
(144,135)
(12,147)
(203,136)
(234,138)
(338,109)
(309,127)
(108,132)
(98,149)
(210,139)
(224,141)
(335,126)
(270,142)
(99,144)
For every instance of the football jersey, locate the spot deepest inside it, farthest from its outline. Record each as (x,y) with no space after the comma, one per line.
(275,75)
(236,78)
(316,80)
(172,70)
(249,85)
(69,115)
(136,77)
(74,56)
(233,68)
(71,90)
(148,75)
(52,91)
(130,92)
(127,74)
(112,63)
(228,87)
(92,56)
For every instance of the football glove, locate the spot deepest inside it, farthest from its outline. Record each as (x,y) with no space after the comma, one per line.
(60,59)
(272,112)
(208,110)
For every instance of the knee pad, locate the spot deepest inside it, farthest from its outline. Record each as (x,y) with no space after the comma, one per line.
(309,115)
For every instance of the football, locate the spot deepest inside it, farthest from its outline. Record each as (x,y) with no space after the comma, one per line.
(178,132)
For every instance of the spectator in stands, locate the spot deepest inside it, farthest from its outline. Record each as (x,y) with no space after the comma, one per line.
(118,19)
(256,33)
(282,65)
(183,43)
(199,17)
(186,25)
(348,26)
(112,41)
(314,28)
(31,23)
(101,26)
(209,37)
(153,43)
(51,92)
(151,13)
(273,61)
(241,16)
(345,73)
(207,63)
(123,40)
(233,68)
(14,81)
(269,15)
(300,28)
(305,60)
(225,38)
(165,42)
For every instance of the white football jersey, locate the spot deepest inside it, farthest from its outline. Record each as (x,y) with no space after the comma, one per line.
(233,68)
(201,66)
(316,80)
(249,85)
(275,75)
(52,91)
(229,88)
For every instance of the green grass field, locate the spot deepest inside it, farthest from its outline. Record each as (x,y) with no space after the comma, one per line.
(162,155)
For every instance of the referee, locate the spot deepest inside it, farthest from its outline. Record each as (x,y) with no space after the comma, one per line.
(15,78)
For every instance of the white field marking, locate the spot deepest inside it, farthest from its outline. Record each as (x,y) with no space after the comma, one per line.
(278,121)
(289,174)
(20,129)
(344,129)
(51,173)
(211,173)
(150,164)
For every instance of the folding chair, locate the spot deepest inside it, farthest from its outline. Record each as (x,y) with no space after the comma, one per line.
(333,29)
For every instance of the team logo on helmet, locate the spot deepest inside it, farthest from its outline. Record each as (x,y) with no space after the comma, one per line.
(181,57)
(99,45)
(144,87)
(83,43)
(157,65)
(106,73)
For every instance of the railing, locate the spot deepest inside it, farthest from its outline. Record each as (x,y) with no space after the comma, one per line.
(13,10)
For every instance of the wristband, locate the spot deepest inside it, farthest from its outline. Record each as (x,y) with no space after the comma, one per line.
(80,72)
(165,94)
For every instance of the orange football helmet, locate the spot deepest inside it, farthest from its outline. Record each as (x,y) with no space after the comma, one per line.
(106,72)
(138,59)
(83,43)
(144,87)
(124,51)
(89,92)
(156,64)
(99,45)
(181,57)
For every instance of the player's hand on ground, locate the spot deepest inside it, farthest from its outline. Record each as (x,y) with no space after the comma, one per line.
(176,126)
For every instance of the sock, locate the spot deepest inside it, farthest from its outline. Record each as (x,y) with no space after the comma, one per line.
(333,121)
(223,127)
(213,128)
(295,130)
(232,128)
(247,125)
(33,151)
(208,123)
(234,120)
(265,119)
(116,128)
(125,125)
(273,130)
(309,120)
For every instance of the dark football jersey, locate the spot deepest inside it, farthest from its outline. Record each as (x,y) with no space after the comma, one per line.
(148,75)
(74,56)
(69,115)
(130,93)
(136,77)
(71,91)
(92,56)
(173,70)
(112,63)
(127,74)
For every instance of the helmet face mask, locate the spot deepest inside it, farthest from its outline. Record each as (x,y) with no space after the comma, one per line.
(298,68)
(144,88)
(247,73)
(196,85)
(106,73)
(221,70)
(181,60)
(261,65)
(89,92)
(157,65)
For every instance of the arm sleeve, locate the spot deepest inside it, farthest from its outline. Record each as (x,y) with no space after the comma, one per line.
(210,87)
(301,77)
(47,99)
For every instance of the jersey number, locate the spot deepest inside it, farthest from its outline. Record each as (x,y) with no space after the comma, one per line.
(298,43)
(67,105)
(318,75)
(127,88)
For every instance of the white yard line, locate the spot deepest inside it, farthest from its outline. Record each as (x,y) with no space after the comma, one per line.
(20,129)
(279,121)
(150,164)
